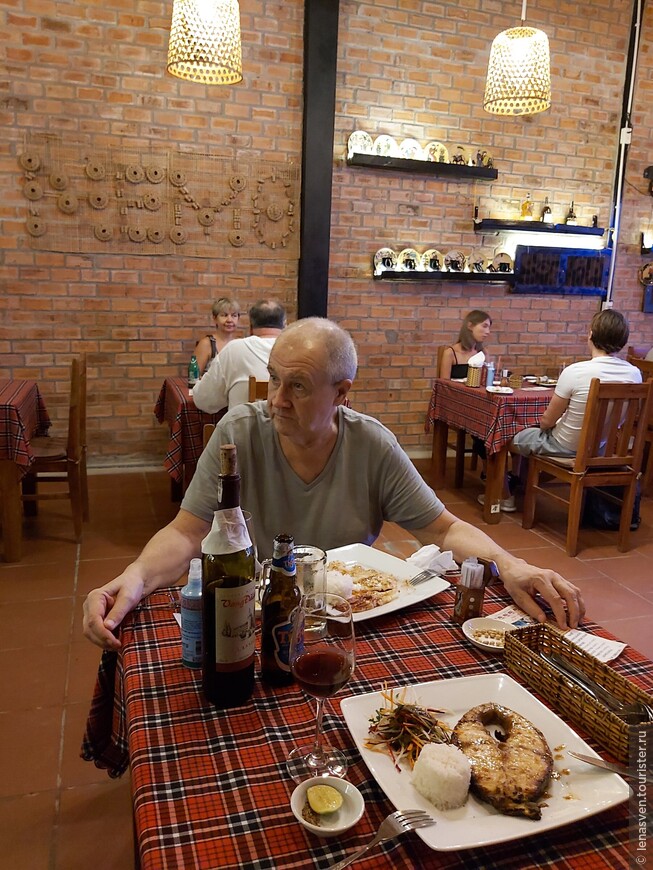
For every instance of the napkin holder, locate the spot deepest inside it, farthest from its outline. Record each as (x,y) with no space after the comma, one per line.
(522,648)
(474,376)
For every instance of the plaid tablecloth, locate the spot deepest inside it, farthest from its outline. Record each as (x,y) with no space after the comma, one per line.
(22,416)
(493,418)
(210,789)
(175,406)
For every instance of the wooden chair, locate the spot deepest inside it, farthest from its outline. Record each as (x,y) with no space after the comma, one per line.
(63,460)
(459,445)
(207,431)
(257,389)
(609,454)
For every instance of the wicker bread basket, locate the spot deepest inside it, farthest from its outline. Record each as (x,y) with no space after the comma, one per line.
(612,733)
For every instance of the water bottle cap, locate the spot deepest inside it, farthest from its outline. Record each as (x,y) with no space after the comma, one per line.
(195,570)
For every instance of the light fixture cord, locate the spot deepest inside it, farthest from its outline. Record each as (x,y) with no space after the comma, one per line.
(523,11)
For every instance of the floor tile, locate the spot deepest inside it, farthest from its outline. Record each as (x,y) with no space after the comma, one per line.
(96,572)
(33,676)
(26,831)
(95,827)
(43,622)
(19,583)
(29,750)
(74,771)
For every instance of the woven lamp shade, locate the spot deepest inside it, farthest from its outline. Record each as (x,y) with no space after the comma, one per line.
(205,42)
(518,73)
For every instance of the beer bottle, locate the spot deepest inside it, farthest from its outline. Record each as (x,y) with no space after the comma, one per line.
(228,595)
(280,598)
(193,372)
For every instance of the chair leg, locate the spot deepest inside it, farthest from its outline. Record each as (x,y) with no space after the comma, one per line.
(459,473)
(623,539)
(573,519)
(84,484)
(473,462)
(76,498)
(528,516)
(29,486)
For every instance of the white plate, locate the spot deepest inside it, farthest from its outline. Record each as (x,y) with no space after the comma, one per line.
(503,391)
(574,796)
(386,146)
(410,149)
(360,142)
(361,554)
(485,623)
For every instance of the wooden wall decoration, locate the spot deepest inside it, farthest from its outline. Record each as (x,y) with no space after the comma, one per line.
(141,201)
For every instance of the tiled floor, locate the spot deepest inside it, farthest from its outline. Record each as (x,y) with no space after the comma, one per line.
(61,813)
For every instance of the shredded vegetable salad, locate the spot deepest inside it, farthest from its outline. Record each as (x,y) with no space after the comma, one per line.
(400,730)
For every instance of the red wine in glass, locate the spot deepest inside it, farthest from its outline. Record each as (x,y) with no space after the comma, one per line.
(322,673)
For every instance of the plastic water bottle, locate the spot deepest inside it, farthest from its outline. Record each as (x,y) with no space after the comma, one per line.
(489,378)
(191,617)
(193,372)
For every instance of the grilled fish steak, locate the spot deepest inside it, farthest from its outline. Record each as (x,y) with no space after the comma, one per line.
(510,771)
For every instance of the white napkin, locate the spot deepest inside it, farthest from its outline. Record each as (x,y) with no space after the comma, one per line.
(431,557)
(477,360)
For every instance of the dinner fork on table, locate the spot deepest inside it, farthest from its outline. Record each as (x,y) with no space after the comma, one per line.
(395,824)
(422,577)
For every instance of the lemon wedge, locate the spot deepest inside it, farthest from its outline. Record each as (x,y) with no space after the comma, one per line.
(324,799)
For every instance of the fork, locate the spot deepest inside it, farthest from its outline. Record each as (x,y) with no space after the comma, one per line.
(395,824)
(422,576)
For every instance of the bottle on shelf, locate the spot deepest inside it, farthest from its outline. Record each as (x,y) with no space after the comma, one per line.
(280,598)
(571,219)
(191,617)
(547,216)
(526,209)
(193,372)
(228,595)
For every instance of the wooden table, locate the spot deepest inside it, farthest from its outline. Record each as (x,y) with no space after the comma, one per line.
(492,417)
(210,788)
(22,416)
(175,406)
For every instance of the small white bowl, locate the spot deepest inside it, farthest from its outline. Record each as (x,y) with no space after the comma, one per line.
(353,806)
(473,629)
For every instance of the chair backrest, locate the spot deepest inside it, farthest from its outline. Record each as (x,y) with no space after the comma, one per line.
(438,361)
(76,442)
(257,389)
(644,365)
(610,435)
(207,431)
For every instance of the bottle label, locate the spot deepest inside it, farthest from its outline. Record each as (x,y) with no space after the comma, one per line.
(235,627)
(191,634)
(281,639)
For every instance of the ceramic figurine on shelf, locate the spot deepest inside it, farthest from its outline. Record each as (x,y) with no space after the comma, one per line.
(571,219)
(546,217)
(526,210)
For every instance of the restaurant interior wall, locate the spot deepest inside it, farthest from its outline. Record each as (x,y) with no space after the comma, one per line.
(95,73)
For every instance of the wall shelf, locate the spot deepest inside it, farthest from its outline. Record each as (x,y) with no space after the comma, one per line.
(425,167)
(434,277)
(494,225)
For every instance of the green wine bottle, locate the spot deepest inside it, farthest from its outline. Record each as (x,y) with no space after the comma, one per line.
(228,595)
(280,598)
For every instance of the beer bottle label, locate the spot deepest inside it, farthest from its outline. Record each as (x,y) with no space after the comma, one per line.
(281,640)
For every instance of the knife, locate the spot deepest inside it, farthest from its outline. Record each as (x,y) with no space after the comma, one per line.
(621,769)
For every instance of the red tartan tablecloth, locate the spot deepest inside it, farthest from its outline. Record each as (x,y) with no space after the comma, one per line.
(210,789)
(493,418)
(175,406)
(22,416)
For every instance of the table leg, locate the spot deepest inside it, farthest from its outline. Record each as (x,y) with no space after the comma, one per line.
(12,518)
(496,470)
(176,490)
(439,451)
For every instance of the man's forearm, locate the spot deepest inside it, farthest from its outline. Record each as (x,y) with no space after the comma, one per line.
(166,556)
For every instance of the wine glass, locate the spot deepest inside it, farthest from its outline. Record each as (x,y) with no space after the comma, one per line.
(322,661)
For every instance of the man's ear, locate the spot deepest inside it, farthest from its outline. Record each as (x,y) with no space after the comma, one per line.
(342,388)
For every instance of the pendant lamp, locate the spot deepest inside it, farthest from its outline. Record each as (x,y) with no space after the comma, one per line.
(205,42)
(519,72)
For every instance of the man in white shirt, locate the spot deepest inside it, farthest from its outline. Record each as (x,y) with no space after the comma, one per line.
(226,383)
(561,423)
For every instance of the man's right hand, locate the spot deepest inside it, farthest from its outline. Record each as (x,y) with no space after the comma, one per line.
(106,607)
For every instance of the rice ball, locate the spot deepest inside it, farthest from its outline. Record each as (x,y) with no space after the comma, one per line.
(441,774)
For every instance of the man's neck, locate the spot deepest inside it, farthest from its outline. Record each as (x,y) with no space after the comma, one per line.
(266,332)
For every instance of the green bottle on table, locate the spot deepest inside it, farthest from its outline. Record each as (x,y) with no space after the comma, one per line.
(193,372)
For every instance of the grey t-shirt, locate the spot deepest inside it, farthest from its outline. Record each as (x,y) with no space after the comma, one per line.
(367,480)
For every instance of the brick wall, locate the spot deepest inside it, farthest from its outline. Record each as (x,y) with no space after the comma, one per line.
(95,73)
